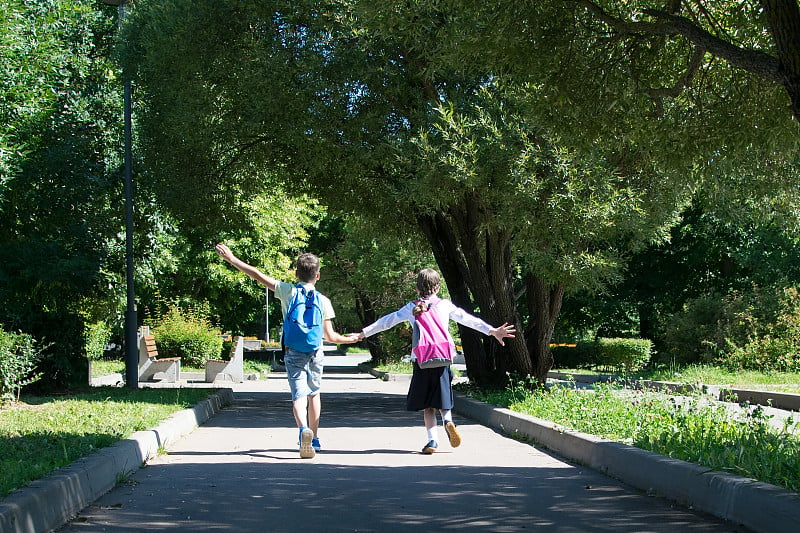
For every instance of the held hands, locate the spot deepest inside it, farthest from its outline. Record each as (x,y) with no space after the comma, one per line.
(352,337)
(506,330)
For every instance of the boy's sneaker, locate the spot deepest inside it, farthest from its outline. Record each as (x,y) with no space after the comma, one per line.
(306,450)
(452,434)
(316,445)
(430,447)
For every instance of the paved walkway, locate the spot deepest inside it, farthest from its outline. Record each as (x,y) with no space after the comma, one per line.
(241,472)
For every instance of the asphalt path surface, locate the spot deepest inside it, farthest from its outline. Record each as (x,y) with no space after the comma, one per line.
(241,471)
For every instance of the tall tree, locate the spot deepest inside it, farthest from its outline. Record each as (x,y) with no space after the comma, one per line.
(702,87)
(59,198)
(345,100)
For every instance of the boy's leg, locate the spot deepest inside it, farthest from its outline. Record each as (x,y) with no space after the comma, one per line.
(300,410)
(314,412)
(314,371)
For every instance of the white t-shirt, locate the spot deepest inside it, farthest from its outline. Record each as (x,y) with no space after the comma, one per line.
(284,292)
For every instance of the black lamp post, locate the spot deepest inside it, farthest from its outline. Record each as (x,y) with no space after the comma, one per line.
(131,340)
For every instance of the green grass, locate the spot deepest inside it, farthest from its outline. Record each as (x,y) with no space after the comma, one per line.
(745,379)
(692,429)
(103,368)
(712,375)
(403,368)
(395,368)
(41,434)
(262,368)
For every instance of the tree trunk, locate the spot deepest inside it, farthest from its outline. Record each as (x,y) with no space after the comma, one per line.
(366,313)
(544,306)
(479,264)
(446,251)
(784,23)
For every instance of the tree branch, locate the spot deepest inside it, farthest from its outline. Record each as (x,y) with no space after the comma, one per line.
(752,61)
(684,81)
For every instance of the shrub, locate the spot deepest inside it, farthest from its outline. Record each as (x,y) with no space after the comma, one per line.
(185,333)
(97,336)
(18,357)
(686,336)
(624,355)
(583,354)
(754,330)
(777,347)
(617,355)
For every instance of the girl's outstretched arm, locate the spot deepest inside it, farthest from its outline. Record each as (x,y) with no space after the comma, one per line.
(505,331)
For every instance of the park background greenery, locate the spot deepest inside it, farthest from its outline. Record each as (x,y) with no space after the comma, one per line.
(582,169)
(611,174)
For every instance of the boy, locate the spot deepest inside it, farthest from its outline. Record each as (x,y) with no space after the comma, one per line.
(303,368)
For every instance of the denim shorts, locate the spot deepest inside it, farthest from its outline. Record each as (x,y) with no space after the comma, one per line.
(304,371)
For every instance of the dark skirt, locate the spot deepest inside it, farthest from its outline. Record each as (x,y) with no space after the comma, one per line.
(430,387)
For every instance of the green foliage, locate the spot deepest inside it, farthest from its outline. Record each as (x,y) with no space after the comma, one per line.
(776,346)
(555,164)
(19,354)
(624,355)
(690,429)
(611,73)
(583,354)
(97,337)
(757,329)
(610,355)
(188,334)
(689,336)
(60,137)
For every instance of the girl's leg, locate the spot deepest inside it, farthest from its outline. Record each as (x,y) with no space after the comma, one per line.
(429,415)
(450,428)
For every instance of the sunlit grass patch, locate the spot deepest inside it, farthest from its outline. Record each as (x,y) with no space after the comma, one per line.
(41,434)
(692,428)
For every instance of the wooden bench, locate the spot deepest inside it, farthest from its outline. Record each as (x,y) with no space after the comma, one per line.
(231,370)
(153,368)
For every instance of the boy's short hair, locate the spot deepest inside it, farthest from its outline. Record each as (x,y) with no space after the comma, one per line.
(307,267)
(428,282)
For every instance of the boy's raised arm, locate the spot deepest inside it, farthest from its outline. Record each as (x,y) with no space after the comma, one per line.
(250,270)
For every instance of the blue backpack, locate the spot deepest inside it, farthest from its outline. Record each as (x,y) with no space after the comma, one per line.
(302,326)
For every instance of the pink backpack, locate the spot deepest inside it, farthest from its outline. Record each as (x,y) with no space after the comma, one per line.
(434,347)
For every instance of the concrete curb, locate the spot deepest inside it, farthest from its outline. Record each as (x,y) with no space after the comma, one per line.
(778,400)
(50,502)
(759,506)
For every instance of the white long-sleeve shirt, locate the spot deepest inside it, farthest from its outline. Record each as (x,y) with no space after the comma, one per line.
(446,309)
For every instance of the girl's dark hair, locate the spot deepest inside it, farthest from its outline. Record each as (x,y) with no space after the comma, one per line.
(428,283)
(307,267)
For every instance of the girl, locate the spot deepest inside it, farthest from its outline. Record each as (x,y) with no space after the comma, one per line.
(430,388)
